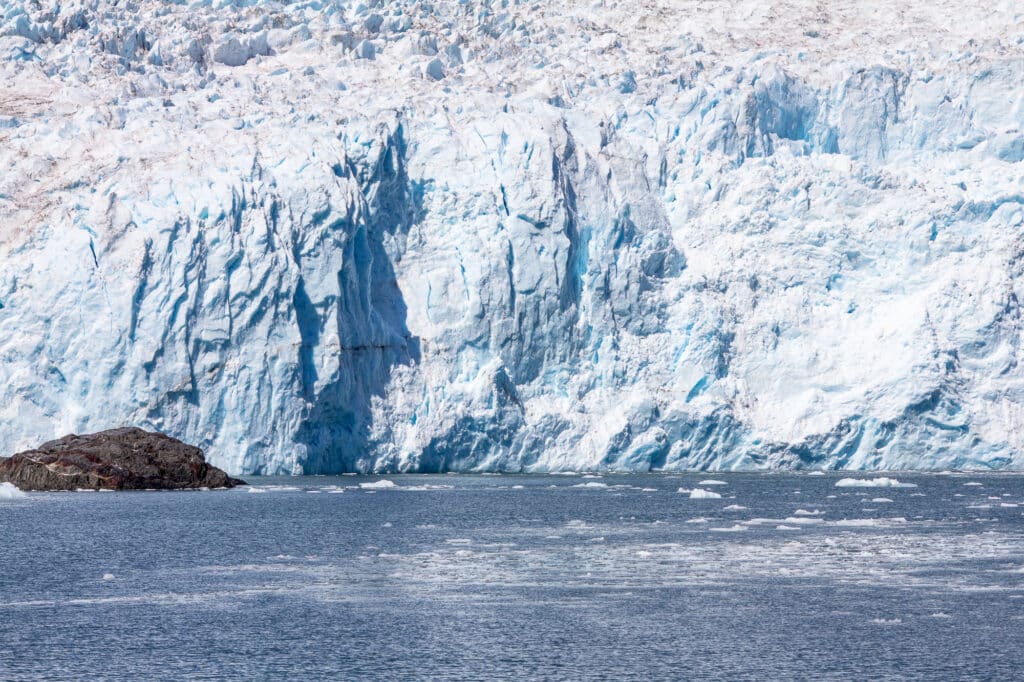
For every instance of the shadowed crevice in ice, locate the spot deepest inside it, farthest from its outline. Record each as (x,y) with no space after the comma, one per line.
(369,320)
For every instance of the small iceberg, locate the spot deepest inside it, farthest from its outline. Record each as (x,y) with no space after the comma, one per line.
(882,482)
(712,481)
(382,484)
(701,494)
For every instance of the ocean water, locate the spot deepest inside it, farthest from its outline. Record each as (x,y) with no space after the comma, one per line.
(464,577)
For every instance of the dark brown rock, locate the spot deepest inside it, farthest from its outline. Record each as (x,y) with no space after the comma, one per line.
(119,459)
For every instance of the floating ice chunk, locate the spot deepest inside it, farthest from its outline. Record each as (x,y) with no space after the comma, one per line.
(9,491)
(382,484)
(815,473)
(880,499)
(804,512)
(108,576)
(974,484)
(735,528)
(1008,505)
(592,484)
(734,507)
(783,527)
(801,520)
(699,519)
(881,482)
(701,494)
(870,522)
(712,481)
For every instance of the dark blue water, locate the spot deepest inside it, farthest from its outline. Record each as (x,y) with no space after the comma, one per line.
(528,577)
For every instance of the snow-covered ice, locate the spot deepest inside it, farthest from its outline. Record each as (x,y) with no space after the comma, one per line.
(326,236)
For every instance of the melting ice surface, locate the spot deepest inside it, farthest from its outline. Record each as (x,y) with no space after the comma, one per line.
(428,577)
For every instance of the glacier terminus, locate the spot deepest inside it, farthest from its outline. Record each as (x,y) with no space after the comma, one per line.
(512,235)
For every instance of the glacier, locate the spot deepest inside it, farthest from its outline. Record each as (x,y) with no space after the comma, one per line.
(511,235)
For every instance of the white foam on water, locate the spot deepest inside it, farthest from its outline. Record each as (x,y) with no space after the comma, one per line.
(254,489)
(804,512)
(735,528)
(973,484)
(783,527)
(699,519)
(886,621)
(881,482)
(701,494)
(1008,505)
(9,491)
(425,487)
(592,484)
(108,576)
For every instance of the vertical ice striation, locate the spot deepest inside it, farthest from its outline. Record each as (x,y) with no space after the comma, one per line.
(319,237)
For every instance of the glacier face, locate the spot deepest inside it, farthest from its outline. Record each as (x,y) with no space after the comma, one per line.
(320,236)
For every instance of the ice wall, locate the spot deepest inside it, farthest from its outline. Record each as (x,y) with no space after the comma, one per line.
(319,237)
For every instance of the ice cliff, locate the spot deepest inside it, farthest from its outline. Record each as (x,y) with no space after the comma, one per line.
(321,236)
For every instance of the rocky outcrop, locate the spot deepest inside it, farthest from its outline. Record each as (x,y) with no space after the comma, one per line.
(119,459)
